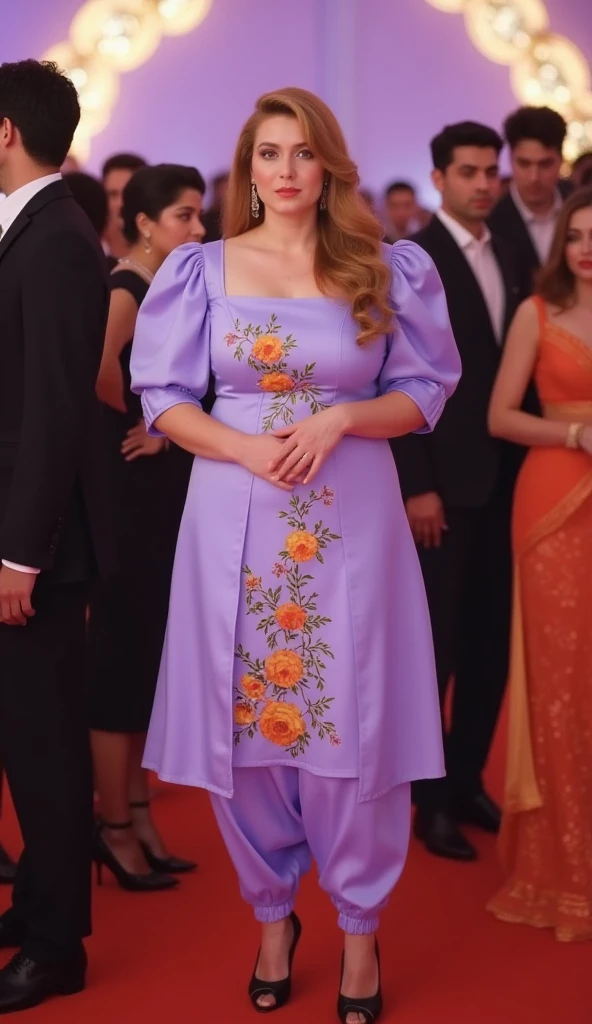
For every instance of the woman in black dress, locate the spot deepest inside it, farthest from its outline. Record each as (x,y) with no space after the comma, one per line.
(161,210)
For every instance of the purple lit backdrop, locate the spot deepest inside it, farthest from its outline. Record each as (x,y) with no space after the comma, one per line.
(394,71)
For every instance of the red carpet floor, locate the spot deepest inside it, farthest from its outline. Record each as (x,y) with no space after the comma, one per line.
(186,956)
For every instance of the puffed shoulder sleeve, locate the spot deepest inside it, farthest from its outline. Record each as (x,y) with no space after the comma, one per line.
(422,358)
(170,361)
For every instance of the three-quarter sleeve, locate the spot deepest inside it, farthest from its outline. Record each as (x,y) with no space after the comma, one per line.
(170,361)
(422,359)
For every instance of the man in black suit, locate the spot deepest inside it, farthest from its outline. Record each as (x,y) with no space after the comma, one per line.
(54,531)
(527,216)
(457,484)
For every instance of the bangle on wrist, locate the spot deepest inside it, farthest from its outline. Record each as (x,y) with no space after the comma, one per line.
(574,434)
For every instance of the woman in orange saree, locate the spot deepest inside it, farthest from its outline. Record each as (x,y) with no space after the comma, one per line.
(546,836)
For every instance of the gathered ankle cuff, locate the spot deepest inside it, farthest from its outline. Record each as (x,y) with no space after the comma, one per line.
(358,925)
(277,912)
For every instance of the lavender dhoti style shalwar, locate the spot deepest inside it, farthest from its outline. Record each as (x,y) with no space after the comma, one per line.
(297,681)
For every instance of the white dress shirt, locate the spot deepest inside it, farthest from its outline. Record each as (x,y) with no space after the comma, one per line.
(541,227)
(480,256)
(10,207)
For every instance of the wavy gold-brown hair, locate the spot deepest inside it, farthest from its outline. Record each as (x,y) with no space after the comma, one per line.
(555,282)
(348,259)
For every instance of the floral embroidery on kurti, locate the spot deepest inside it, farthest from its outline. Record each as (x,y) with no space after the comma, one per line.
(292,626)
(267,354)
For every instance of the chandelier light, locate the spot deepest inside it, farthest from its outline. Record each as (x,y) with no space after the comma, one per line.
(180,16)
(81,143)
(504,29)
(545,69)
(124,33)
(97,84)
(109,37)
(553,73)
(450,6)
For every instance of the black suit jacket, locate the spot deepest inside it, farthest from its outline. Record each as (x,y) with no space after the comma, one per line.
(54,504)
(460,460)
(506,223)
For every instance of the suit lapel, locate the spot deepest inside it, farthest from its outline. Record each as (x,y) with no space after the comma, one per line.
(453,265)
(520,230)
(16,228)
(511,289)
(56,190)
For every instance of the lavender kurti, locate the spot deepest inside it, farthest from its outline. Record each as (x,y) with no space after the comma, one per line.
(298,629)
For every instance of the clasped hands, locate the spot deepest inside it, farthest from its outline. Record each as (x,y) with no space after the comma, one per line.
(294,454)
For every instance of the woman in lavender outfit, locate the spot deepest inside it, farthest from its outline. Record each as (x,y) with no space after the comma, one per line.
(297,681)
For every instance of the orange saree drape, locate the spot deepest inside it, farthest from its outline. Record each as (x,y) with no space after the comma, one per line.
(546,837)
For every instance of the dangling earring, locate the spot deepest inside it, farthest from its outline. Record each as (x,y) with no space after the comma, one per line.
(323,201)
(147,245)
(254,201)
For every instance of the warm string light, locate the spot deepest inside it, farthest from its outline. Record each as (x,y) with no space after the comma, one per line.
(108,38)
(545,69)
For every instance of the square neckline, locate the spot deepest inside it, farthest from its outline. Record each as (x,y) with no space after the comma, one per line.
(269,298)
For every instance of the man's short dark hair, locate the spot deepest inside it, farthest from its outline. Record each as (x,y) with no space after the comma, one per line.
(399,186)
(123,162)
(42,103)
(152,189)
(539,124)
(465,133)
(91,197)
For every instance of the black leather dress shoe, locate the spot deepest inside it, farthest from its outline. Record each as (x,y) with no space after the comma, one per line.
(12,931)
(7,868)
(442,836)
(25,983)
(479,810)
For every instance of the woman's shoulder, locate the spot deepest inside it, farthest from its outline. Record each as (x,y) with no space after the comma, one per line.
(406,256)
(192,270)
(412,268)
(129,281)
(203,259)
(533,310)
(184,264)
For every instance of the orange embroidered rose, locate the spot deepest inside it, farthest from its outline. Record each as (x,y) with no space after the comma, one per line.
(284,668)
(301,546)
(276,382)
(243,714)
(281,723)
(268,349)
(290,616)
(253,687)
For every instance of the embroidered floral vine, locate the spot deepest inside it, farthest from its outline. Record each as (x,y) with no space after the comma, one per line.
(267,354)
(276,694)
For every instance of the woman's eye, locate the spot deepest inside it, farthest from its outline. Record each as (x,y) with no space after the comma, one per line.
(306,153)
(266,153)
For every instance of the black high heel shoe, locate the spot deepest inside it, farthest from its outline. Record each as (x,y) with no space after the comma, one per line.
(280,990)
(103,856)
(370,1009)
(170,865)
